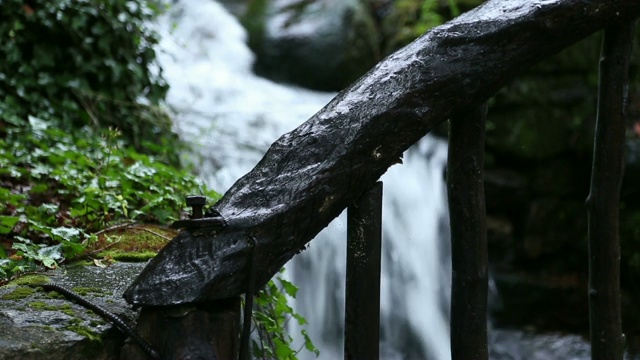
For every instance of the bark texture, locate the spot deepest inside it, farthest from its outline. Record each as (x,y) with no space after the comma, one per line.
(604,197)
(467,213)
(311,174)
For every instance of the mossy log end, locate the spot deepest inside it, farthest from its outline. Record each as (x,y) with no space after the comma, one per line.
(311,174)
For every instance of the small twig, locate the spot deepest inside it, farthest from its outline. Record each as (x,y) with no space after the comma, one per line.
(103,248)
(151,231)
(259,334)
(131,225)
(87,108)
(115,227)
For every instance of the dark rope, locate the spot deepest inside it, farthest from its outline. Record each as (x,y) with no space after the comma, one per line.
(105,314)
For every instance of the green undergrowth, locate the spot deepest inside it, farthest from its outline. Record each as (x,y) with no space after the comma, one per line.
(60,192)
(89,166)
(271,315)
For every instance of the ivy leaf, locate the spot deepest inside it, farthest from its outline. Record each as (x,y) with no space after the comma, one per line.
(7,223)
(283,351)
(49,255)
(68,234)
(288,287)
(71,249)
(308,344)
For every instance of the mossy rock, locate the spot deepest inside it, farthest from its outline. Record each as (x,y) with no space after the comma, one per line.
(35,325)
(321,44)
(134,243)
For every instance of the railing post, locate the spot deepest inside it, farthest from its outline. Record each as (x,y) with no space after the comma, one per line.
(468,235)
(604,196)
(203,331)
(362,298)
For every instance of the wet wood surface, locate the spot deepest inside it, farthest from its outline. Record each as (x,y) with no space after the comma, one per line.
(313,173)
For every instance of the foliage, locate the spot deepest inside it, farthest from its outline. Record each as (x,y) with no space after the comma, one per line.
(412,18)
(59,189)
(73,72)
(272,314)
(84,62)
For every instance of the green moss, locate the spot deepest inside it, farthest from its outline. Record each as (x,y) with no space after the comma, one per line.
(95,323)
(37,305)
(30,280)
(136,244)
(75,321)
(128,256)
(41,305)
(53,295)
(19,293)
(84,331)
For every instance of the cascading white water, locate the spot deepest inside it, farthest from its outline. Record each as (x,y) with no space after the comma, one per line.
(231,117)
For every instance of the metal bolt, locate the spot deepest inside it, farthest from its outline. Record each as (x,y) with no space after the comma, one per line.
(196,203)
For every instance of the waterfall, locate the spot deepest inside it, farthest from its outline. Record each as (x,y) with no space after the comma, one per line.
(231,116)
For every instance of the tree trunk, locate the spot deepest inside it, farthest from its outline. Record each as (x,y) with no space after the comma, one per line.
(311,174)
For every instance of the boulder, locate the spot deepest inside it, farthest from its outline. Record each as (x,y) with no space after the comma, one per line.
(36,325)
(318,44)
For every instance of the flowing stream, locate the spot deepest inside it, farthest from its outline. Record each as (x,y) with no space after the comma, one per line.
(231,116)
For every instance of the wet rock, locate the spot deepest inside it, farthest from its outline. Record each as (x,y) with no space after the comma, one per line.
(544,302)
(506,191)
(512,344)
(550,110)
(499,238)
(45,326)
(318,44)
(555,225)
(630,190)
(236,7)
(562,177)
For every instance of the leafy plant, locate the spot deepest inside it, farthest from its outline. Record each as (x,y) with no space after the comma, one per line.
(84,62)
(59,189)
(80,95)
(412,18)
(271,315)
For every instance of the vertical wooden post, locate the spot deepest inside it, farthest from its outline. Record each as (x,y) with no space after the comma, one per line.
(604,196)
(468,235)
(204,331)
(362,298)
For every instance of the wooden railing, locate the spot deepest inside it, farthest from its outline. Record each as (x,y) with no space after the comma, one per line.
(334,160)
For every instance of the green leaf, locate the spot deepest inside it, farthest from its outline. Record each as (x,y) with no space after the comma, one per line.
(68,234)
(71,249)
(7,223)
(308,344)
(283,351)
(288,287)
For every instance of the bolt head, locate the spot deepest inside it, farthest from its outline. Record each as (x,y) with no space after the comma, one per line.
(196,200)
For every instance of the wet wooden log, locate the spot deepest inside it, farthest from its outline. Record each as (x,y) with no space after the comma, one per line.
(311,174)
(603,202)
(468,218)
